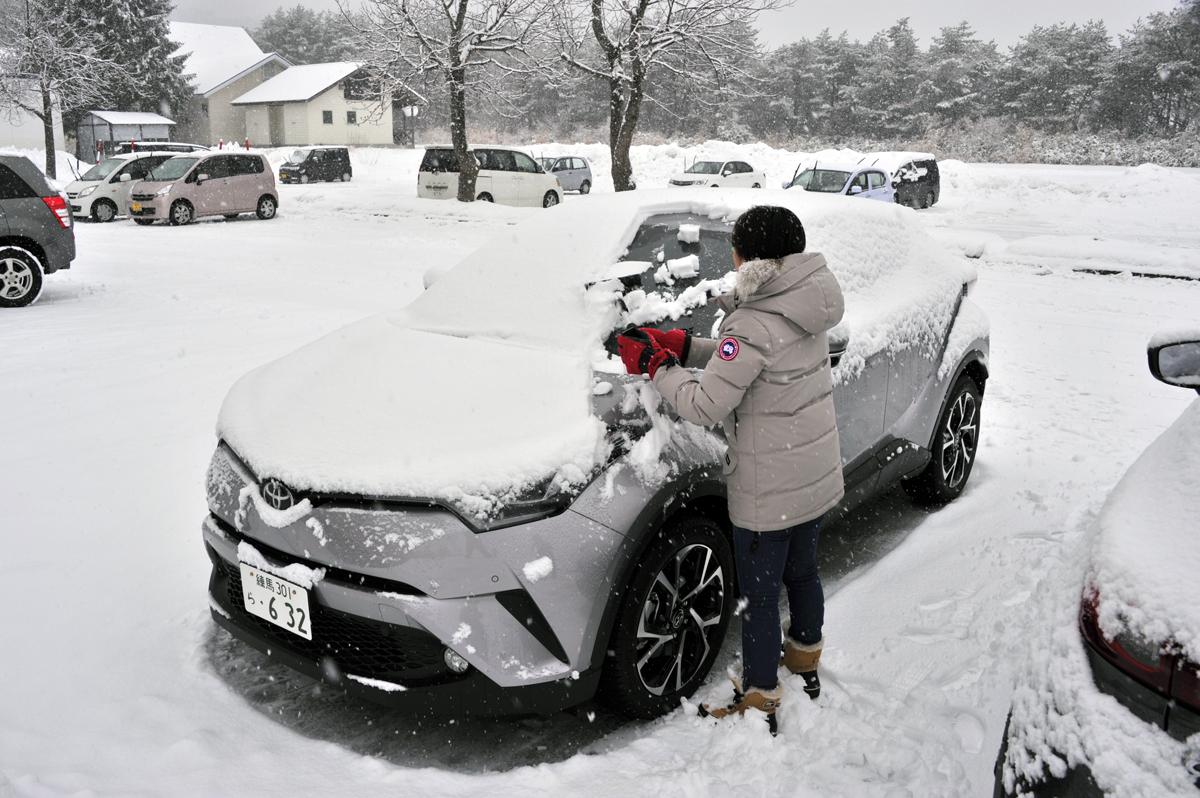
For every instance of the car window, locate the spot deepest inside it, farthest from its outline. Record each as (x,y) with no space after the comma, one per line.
(875,179)
(439,161)
(580,163)
(562,164)
(246,164)
(860,180)
(218,167)
(524,163)
(12,186)
(103,169)
(141,167)
(657,242)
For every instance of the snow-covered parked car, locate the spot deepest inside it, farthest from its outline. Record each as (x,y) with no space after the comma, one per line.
(720,174)
(853,180)
(915,176)
(573,172)
(1137,732)
(466,506)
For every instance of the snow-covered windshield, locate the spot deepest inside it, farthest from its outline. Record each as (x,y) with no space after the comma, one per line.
(704,168)
(172,169)
(828,181)
(103,169)
(298,156)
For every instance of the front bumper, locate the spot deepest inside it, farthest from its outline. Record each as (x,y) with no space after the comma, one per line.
(363,656)
(149,208)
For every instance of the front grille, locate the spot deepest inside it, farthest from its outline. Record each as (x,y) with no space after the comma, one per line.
(72,195)
(143,197)
(360,646)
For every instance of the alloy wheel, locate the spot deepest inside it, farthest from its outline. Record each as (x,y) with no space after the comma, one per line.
(105,212)
(680,620)
(16,279)
(550,200)
(960,437)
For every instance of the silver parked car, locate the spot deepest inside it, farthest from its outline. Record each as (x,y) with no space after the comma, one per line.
(339,549)
(573,172)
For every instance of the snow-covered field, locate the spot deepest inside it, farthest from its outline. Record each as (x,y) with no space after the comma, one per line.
(115,681)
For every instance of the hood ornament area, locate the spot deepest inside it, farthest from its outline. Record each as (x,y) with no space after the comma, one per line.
(278,495)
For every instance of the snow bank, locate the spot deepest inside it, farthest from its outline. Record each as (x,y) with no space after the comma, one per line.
(66,165)
(1147,555)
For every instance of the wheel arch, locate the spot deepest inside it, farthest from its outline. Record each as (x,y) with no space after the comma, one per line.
(696,492)
(27,244)
(972,364)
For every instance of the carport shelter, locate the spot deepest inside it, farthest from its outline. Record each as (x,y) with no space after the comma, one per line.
(98,131)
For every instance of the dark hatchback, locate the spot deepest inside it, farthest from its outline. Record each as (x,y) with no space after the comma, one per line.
(312,164)
(36,236)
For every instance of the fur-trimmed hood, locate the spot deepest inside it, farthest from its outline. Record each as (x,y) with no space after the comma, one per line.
(787,288)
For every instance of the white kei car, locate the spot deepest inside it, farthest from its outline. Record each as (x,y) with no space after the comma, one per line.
(721,174)
(102,192)
(869,182)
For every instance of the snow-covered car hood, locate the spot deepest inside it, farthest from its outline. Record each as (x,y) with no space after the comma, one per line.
(1148,550)
(483,384)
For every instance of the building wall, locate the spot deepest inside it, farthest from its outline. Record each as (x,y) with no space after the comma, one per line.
(214,118)
(22,130)
(258,124)
(374,124)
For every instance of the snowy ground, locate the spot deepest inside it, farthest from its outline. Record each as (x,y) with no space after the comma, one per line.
(117,683)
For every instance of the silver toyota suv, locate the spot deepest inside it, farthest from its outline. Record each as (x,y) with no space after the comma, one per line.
(336,551)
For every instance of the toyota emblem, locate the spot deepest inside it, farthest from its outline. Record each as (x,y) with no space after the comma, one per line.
(278,495)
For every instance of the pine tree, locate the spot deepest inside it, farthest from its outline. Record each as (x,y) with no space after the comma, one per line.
(137,36)
(304,36)
(889,77)
(961,74)
(1052,78)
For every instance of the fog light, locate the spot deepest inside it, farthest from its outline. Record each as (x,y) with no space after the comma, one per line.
(455,662)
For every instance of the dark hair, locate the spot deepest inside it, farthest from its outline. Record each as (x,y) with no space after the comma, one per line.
(768,232)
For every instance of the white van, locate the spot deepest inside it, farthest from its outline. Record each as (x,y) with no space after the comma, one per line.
(102,192)
(507,176)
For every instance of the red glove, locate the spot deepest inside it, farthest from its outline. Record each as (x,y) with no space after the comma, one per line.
(641,354)
(677,342)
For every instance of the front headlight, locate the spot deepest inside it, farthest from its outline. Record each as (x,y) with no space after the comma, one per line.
(87,191)
(541,500)
(162,192)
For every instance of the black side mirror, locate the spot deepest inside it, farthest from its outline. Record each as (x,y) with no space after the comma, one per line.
(1175,359)
(839,341)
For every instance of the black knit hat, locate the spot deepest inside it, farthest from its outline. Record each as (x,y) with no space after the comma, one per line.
(768,232)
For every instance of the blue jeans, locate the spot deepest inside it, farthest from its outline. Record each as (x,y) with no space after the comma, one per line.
(765,562)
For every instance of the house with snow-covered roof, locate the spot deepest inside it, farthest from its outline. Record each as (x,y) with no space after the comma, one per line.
(223,62)
(333,103)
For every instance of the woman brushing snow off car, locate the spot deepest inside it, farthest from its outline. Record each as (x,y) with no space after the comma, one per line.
(767,380)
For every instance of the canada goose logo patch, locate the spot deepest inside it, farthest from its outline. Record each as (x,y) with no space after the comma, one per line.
(728,349)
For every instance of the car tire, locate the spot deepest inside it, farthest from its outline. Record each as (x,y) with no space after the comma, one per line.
(304,179)
(757,185)
(21,277)
(143,222)
(103,211)
(585,187)
(550,199)
(927,200)
(484,197)
(955,446)
(181,213)
(693,554)
(267,207)
(345,177)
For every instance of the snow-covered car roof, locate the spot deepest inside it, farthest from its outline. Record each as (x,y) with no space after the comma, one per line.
(1148,553)
(482,384)
(894,160)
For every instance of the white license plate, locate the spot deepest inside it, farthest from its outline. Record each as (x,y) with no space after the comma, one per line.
(276,600)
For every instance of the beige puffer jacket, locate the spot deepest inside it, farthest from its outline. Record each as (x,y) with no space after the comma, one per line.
(767,379)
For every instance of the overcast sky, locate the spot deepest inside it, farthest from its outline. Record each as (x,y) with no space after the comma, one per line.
(1002,20)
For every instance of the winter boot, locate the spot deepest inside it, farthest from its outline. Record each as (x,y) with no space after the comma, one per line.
(802,660)
(764,701)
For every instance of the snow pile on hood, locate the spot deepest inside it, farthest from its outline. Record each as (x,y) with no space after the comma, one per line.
(1148,552)
(482,386)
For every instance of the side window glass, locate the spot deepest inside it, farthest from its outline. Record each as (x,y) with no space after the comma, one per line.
(524,163)
(874,179)
(11,186)
(561,164)
(138,169)
(220,166)
(579,164)
(317,156)
(860,181)
(504,161)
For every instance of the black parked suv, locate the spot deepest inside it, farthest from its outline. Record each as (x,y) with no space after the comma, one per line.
(317,163)
(36,237)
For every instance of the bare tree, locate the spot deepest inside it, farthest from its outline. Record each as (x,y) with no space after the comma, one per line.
(626,42)
(47,57)
(468,45)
